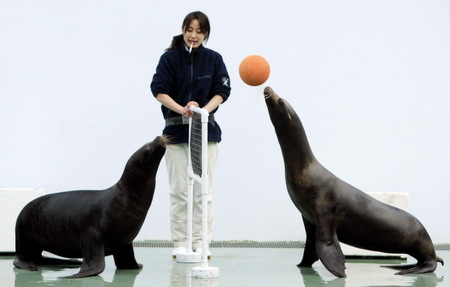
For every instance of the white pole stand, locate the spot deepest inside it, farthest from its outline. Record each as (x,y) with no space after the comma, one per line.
(189,257)
(205,272)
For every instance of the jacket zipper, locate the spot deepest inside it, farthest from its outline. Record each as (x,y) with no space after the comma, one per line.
(191,60)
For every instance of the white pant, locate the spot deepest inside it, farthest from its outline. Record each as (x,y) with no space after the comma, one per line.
(176,161)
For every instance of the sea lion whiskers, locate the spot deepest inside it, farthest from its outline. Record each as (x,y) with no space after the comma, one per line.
(267,93)
(164,140)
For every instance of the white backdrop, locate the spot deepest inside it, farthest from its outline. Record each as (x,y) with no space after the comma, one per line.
(369,79)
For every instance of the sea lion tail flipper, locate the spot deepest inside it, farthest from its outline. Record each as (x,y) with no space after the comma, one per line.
(330,254)
(309,254)
(23,262)
(424,267)
(399,267)
(440,260)
(57,261)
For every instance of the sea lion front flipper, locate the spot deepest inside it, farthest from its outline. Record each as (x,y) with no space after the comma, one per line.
(124,257)
(310,254)
(329,251)
(93,255)
(91,266)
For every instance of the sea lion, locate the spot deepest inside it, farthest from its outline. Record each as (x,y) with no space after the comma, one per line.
(334,211)
(91,224)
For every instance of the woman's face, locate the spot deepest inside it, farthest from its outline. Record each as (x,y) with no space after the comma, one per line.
(193,34)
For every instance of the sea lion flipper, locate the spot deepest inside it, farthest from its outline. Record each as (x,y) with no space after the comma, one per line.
(330,254)
(310,254)
(93,255)
(90,267)
(424,267)
(56,261)
(124,258)
(24,263)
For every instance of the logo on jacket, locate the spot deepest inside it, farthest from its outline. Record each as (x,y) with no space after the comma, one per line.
(225,81)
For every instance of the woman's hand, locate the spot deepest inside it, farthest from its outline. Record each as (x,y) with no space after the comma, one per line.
(187,111)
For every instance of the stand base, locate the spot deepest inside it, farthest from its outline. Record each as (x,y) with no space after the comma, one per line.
(205,272)
(189,257)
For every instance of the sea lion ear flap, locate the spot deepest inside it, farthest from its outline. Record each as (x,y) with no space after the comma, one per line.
(330,254)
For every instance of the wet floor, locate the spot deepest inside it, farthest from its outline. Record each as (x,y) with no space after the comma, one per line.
(237,266)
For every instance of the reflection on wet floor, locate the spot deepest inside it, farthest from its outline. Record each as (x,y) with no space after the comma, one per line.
(237,267)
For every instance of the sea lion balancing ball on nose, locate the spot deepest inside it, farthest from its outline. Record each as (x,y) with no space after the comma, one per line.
(254,70)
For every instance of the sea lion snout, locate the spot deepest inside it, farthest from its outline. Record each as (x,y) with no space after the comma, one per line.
(158,144)
(268,92)
(271,97)
(162,140)
(154,149)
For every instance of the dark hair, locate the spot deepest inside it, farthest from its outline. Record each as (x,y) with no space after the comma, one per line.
(203,21)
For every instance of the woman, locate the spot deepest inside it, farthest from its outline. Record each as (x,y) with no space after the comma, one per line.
(188,74)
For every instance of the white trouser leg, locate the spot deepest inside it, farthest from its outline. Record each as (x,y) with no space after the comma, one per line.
(176,161)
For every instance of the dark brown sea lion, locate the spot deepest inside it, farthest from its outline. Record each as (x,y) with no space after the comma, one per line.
(91,224)
(334,211)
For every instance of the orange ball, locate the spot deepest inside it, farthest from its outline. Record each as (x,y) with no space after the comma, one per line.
(254,70)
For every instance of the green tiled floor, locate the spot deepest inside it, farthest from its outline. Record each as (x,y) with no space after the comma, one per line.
(238,267)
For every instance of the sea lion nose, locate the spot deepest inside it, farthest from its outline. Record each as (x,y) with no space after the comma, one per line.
(268,92)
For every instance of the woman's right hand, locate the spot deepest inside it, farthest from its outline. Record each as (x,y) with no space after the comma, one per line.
(187,111)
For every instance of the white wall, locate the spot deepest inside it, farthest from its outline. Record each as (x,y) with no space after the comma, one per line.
(369,79)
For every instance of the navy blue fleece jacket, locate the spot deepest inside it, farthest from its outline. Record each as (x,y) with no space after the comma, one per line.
(185,77)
